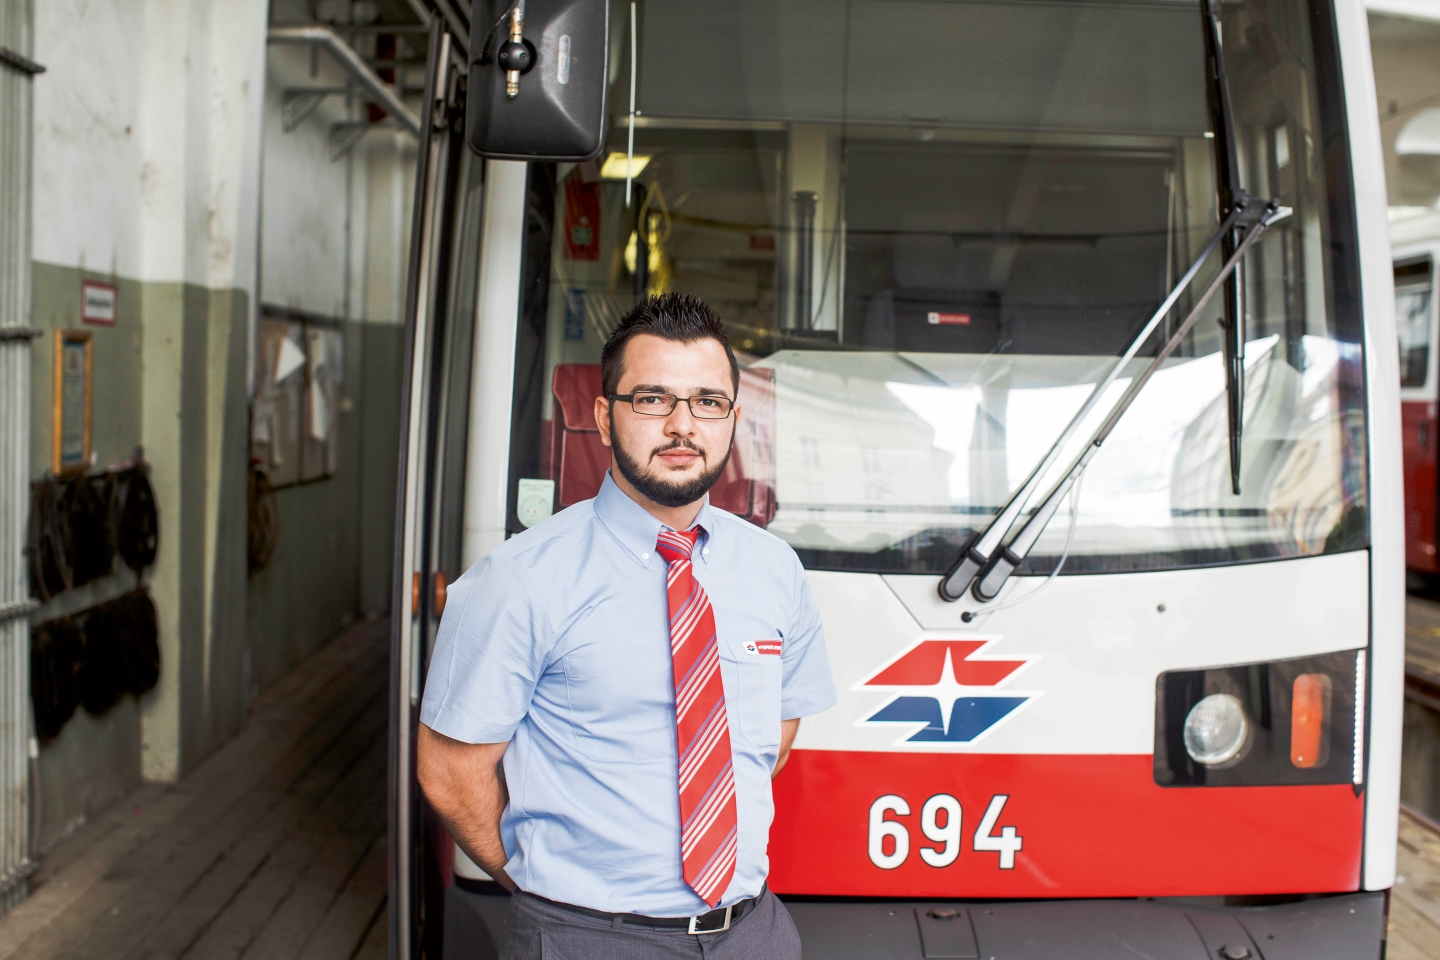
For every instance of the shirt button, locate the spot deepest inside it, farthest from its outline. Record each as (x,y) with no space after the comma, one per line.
(644,556)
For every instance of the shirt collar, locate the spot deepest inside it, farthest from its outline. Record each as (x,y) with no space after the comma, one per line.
(637,529)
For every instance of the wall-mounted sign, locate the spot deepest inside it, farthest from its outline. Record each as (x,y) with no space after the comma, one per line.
(71,415)
(97,303)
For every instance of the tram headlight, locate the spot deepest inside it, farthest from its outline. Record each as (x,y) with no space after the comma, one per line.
(1216,729)
(1290,722)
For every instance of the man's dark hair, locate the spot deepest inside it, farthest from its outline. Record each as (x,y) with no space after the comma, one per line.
(673,316)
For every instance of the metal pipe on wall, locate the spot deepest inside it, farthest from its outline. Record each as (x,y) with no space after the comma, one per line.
(345,55)
(16,33)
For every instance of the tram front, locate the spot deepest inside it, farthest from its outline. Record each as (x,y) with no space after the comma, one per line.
(1055,324)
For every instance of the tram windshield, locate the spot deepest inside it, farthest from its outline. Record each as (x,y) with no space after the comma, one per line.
(931,227)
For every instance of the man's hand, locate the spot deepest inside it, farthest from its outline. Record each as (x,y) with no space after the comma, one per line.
(788,729)
(463,786)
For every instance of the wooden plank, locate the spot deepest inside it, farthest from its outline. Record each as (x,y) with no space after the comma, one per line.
(237,926)
(1411,934)
(63,889)
(360,903)
(376,945)
(290,928)
(1417,882)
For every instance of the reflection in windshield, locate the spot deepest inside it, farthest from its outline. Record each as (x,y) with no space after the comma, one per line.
(926,462)
(931,227)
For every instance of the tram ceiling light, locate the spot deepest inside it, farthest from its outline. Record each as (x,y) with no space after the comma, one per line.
(1216,730)
(614,166)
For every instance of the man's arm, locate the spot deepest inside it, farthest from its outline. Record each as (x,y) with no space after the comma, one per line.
(788,729)
(463,786)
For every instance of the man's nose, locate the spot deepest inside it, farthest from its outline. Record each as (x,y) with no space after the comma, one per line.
(681,422)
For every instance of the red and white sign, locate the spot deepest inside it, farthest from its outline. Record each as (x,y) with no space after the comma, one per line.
(97,303)
(949,319)
(763,648)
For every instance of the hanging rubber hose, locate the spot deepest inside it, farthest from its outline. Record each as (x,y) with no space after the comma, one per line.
(140,644)
(92,547)
(56,647)
(100,681)
(138,531)
(49,548)
(262,516)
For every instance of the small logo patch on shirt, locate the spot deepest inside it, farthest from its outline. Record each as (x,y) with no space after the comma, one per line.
(766,648)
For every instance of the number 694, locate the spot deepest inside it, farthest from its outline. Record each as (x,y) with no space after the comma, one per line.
(940,821)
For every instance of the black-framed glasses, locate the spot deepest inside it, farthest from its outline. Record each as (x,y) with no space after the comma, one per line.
(703,407)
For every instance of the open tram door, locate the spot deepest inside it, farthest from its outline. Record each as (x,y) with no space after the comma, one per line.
(952,242)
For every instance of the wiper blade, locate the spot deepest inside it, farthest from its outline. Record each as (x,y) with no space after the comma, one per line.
(1259,215)
(1230,196)
(978,550)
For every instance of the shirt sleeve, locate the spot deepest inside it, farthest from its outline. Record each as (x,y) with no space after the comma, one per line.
(489,654)
(808,687)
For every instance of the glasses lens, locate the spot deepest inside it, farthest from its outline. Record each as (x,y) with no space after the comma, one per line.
(710,408)
(653,404)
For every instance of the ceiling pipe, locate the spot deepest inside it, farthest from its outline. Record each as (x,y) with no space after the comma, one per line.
(384,94)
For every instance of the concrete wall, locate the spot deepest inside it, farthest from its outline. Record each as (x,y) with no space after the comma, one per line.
(334,242)
(161,166)
(147,175)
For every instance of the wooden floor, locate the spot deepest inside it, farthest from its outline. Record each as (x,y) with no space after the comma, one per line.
(273,848)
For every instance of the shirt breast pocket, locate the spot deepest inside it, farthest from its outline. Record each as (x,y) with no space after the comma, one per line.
(621,703)
(756,711)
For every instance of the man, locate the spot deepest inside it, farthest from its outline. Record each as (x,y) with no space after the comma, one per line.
(639,665)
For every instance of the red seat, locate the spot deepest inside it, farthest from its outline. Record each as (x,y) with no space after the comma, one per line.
(578,460)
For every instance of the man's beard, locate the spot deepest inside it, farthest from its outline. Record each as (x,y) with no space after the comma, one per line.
(668,493)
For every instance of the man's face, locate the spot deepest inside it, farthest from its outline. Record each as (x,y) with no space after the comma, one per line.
(673,460)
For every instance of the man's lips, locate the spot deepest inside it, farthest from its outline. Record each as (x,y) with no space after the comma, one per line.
(678,456)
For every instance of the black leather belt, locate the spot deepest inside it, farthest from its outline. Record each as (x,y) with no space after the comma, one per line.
(715,921)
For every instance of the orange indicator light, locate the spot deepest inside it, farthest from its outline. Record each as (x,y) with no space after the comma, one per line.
(1308,708)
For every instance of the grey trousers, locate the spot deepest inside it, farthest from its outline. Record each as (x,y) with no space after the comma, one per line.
(535,930)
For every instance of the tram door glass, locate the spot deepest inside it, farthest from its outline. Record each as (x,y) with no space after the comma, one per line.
(931,227)
(1413,319)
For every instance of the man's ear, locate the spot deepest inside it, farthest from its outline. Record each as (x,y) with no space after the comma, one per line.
(602,419)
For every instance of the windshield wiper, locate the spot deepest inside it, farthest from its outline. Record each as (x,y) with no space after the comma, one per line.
(1237,210)
(1230,196)
(976,553)
(1254,217)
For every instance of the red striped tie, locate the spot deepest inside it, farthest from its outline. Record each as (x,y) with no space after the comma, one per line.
(707,776)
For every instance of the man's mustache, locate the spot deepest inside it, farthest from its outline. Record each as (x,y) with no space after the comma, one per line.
(678,444)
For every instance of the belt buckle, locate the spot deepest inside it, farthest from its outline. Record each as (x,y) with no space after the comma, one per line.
(695,920)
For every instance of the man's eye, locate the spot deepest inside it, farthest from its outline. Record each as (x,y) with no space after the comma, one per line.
(709,403)
(650,400)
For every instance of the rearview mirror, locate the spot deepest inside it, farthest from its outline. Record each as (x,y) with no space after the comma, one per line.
(537,83)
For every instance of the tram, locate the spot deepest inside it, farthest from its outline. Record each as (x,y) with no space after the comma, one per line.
(1067,334)
(1416,246)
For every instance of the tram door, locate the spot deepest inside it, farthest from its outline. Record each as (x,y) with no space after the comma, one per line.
(1415,320)
(440,320)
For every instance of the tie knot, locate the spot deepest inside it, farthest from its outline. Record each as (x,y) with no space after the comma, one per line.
(673,545)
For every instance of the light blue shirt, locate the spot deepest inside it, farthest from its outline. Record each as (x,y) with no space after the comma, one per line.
(558,641)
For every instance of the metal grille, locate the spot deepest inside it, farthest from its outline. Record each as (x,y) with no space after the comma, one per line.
(16,26)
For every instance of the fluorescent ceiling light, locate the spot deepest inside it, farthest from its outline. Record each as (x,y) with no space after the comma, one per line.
(614,167)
